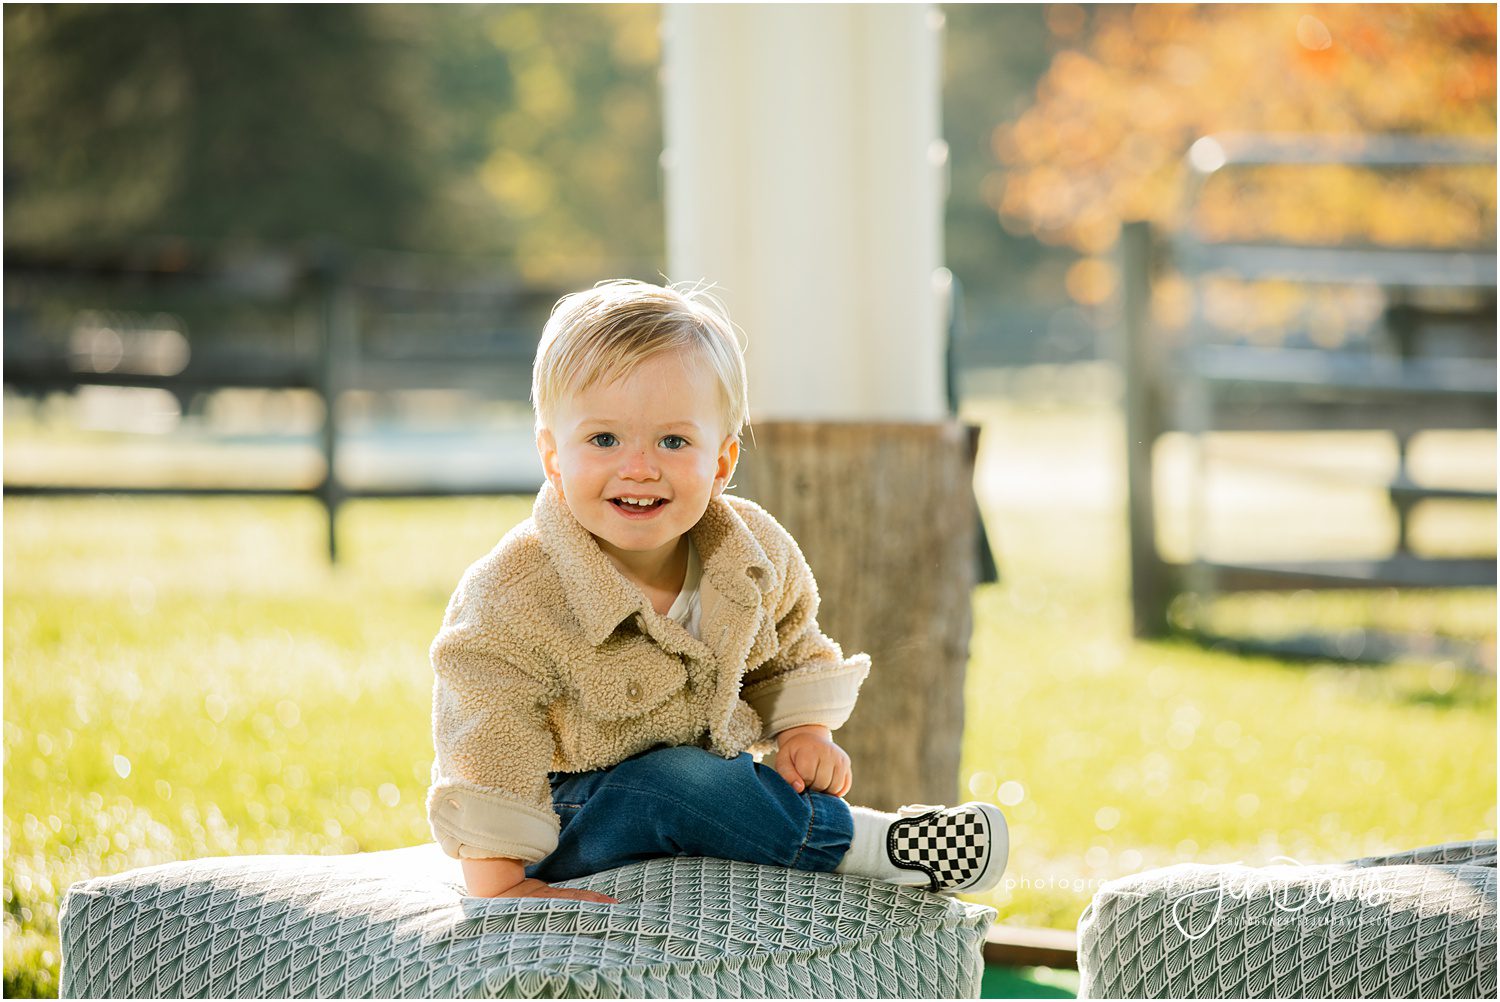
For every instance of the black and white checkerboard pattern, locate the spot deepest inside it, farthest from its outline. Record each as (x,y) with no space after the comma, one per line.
(950,846)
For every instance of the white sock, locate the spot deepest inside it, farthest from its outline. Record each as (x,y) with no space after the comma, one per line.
(867,855)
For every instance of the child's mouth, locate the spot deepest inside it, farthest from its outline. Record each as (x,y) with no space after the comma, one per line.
(632,509)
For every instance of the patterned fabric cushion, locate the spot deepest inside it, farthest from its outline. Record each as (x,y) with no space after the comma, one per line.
(396,924)
(1410,925)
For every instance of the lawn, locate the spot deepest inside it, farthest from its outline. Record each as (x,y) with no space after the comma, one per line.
(188,677)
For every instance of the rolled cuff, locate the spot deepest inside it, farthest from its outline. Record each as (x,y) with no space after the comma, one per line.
(471,823)
(822,697)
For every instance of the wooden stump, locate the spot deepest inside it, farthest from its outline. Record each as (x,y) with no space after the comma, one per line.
(885,514)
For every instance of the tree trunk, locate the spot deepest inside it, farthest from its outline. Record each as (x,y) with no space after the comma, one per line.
(885,514)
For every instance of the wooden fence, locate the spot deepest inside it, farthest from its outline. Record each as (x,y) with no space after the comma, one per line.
(158,318)
(1428,362)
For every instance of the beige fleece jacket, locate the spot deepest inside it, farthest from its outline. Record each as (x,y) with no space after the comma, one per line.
(549,660)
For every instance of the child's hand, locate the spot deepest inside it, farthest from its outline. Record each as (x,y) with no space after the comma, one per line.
(533,888)
(808,759)
(506,878)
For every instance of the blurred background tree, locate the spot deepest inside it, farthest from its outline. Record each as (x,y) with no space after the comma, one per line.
(992,59)
(572,163)
(257,122)
(513,131)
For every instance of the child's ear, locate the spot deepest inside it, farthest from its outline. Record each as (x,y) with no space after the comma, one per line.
(546,448)
(729,458)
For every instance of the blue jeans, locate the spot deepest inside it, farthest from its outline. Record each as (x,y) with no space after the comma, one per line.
(684,801)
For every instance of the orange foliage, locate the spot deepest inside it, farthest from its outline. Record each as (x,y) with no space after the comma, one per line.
(1105,137)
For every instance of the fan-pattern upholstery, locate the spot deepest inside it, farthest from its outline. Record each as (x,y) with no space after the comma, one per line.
(397,924)
(1410,925)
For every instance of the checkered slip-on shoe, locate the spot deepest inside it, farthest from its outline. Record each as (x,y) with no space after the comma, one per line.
(961,849)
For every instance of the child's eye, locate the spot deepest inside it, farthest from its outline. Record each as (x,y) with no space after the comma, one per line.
(674,442)
(603,440)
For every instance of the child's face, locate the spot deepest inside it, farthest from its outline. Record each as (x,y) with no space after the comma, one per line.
(656,434)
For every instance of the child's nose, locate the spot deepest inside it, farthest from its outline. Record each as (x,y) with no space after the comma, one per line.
(637,465)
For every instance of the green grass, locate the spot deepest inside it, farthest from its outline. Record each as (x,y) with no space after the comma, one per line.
(1028,983)
(188,677)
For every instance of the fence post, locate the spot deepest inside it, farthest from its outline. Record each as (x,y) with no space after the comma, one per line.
(337,322)
(1149,584)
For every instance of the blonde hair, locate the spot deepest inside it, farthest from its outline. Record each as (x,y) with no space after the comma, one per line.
(605,332)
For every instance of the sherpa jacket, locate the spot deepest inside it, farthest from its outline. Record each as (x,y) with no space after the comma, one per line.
(550,660)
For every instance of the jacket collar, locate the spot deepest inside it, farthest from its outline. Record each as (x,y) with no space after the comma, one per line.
(736,569)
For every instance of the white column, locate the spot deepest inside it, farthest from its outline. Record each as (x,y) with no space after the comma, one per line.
(805,177)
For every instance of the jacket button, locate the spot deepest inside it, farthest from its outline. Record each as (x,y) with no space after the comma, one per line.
(633,691)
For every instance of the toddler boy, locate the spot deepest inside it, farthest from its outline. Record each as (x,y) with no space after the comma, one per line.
(605,672)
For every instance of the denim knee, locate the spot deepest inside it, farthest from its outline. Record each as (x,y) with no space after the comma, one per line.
(692,772)
(716,787)
(736,795)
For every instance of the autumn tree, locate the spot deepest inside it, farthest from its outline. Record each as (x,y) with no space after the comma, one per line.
(1133,86)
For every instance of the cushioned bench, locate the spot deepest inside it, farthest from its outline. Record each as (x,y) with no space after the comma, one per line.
(397,924)
(1411,925)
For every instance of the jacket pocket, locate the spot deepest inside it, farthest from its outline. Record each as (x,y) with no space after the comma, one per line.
(619,689)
